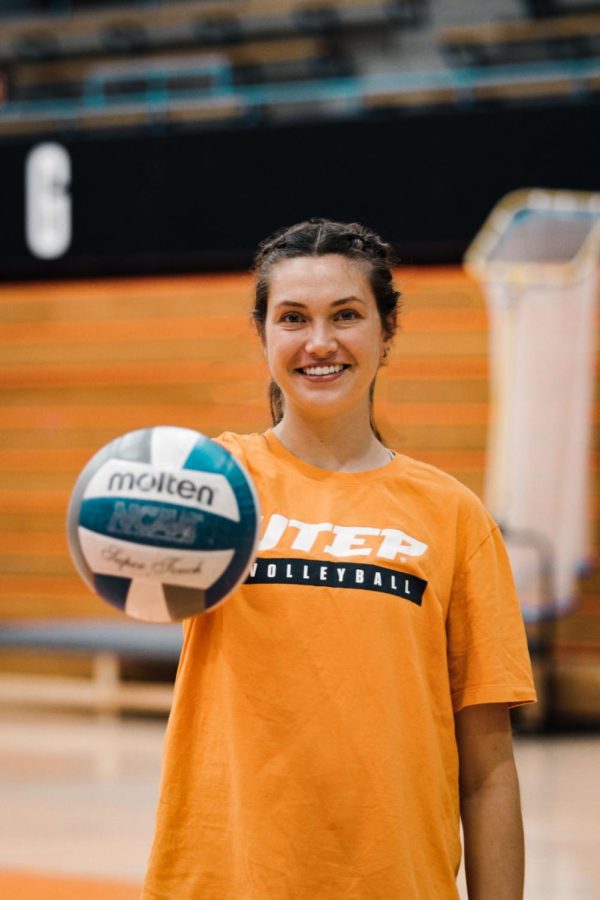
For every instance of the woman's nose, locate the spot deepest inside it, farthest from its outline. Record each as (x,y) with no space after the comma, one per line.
(321,340)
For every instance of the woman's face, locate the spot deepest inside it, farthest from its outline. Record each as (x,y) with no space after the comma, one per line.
(323,336)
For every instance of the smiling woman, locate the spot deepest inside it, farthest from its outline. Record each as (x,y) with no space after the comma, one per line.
(324,260)
(334,717)
(323,353)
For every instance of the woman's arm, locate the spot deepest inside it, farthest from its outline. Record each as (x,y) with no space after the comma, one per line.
(490,804)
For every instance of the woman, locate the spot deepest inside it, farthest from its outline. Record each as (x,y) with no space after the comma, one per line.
(333,717)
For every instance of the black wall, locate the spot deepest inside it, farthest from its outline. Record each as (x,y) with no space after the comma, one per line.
(193,201)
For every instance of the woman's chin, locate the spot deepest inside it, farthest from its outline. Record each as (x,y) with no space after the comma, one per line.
(324,405)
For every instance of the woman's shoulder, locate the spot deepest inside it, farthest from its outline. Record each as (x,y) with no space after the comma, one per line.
(242,446)
(439,486)
(429,475)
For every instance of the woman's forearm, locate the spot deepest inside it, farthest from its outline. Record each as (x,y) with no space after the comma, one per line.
(493,837)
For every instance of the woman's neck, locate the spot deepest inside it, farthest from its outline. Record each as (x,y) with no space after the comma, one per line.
(340,445)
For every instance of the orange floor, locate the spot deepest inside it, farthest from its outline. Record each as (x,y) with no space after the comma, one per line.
(29,886)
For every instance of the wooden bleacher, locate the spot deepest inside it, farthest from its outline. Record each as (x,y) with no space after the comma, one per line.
(502,91)
(252,62)
(166,23)
(521,40)
(69,77)
(83,362)
(261,41)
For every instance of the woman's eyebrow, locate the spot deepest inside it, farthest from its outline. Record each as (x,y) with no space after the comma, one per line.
(349,299)
(339,302)
(289,303)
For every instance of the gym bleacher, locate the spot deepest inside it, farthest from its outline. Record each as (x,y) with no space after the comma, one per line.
(67,70)
(178,64)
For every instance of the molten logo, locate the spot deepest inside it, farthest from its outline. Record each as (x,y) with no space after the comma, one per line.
(161,483)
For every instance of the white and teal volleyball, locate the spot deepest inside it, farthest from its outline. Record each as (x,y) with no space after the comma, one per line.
(163,523)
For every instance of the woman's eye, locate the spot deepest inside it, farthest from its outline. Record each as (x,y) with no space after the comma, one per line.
(347,315)
(291,318)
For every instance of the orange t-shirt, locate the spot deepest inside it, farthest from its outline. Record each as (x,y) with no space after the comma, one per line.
(310,752)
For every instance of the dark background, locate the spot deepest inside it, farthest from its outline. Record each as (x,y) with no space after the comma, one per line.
(202,200)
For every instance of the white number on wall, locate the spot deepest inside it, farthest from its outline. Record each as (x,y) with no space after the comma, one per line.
(48,217)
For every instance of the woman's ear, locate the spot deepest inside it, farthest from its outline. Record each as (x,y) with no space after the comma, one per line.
(385,350)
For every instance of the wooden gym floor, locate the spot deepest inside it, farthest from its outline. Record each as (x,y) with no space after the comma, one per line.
(78,795)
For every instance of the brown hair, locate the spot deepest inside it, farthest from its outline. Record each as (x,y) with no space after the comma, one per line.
(319,237)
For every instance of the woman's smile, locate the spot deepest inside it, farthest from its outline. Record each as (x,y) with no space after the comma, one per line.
(323,372)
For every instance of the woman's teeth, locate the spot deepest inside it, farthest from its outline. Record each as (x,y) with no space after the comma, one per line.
(322,370)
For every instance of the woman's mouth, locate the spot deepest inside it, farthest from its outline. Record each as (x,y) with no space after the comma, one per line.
(323,371)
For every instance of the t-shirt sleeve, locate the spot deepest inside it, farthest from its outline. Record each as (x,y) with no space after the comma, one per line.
(488,659)
(231,442)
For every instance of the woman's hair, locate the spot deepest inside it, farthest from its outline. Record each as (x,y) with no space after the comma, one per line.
(319,237)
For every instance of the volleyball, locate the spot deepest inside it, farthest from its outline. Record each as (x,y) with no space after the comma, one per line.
(163,523)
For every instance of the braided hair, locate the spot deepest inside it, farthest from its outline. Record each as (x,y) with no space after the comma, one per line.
(319,237)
